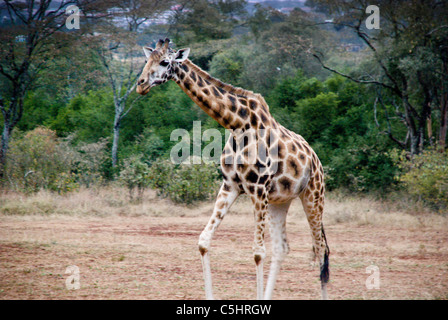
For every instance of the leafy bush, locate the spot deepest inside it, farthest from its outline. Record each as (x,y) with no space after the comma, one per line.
(40,160)
(360,166)
(425,177)
(148,145)
(184,183)
(135,175)
(35,160)
(91,162)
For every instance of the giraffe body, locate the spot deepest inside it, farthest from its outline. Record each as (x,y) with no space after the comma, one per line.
(261,158)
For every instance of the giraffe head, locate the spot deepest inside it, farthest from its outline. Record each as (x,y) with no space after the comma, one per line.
(160,65)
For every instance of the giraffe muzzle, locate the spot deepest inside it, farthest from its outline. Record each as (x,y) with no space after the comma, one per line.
(142,89)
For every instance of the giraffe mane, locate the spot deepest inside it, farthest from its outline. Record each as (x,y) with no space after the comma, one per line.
(227,87)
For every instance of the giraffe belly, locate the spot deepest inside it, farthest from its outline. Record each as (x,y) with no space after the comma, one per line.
(284,188)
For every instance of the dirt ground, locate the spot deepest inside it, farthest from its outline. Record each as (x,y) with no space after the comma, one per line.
(156,257)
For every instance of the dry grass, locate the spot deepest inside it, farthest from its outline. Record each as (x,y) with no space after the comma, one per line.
(114,201)
(102,202)
(148,249)
(367,211)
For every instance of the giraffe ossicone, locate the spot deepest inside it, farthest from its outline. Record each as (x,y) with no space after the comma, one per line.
(261,158)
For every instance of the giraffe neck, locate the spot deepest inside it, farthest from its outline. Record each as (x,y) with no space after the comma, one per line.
(231,107)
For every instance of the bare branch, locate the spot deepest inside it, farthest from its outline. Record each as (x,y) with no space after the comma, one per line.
(436,29)
(132,104)
(366,39)
(109,73)
(12,7)
(350,77)
(375,111)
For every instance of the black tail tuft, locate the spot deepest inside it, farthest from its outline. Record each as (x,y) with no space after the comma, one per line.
(325,270)
(325,267)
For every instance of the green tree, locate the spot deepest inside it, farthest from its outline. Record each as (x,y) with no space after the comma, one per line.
(409,65)
(202,20)
(260,21)
(332,116)
(89,115)
(228,65)
(316,115)
(30,36)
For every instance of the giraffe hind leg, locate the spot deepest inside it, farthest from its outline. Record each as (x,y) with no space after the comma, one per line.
(313,207)
(280,247)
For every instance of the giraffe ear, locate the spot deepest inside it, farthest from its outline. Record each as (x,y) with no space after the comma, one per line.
(182,55)
(147,51)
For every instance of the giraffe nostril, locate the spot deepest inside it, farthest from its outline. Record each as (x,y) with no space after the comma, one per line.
(141,81)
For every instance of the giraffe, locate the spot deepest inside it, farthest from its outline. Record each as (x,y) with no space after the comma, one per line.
(281,167)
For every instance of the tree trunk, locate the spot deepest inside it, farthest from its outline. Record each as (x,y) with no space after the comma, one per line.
(116,139)
(6,135)
(11,116)
(443,121)
(410,124)
(429,128)
(414,144)
(443,107)
(424,116)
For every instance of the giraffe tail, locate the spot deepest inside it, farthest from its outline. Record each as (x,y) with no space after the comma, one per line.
(325,266)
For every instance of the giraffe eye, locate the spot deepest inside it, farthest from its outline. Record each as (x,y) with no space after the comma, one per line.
(164,63)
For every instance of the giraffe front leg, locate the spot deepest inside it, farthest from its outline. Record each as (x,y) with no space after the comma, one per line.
(226,196)
(259,249)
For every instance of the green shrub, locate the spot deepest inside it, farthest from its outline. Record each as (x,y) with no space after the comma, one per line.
(185,183)
(148,145)
(36,161)
(40,160)
(360,166)
(90,162)
(135,175)
(425,176)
